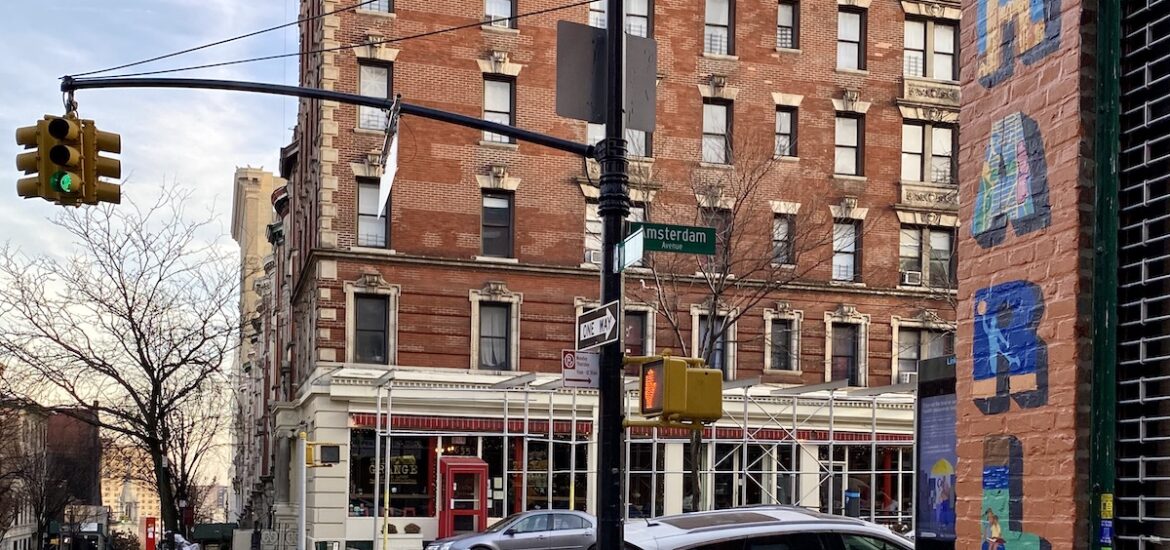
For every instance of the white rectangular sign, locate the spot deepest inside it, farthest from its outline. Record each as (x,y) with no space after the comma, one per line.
(580,369)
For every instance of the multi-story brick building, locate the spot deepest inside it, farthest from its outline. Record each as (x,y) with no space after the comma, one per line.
(817,136)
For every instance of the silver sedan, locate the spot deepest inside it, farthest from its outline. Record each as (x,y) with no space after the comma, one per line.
(532,530)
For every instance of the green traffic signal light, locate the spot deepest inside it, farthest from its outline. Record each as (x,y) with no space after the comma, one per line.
(64,182)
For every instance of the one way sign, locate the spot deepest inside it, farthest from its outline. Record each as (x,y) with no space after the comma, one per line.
(598,327)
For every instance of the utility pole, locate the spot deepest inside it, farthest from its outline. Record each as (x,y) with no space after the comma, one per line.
(613,206)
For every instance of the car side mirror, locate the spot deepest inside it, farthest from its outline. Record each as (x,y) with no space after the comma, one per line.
(511,532)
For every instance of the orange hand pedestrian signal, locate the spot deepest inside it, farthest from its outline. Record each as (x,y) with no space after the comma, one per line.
(652,388)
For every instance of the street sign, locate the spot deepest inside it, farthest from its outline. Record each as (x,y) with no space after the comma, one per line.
(630,251)
(582,77)
(580,369)
(685,239)
(599,326)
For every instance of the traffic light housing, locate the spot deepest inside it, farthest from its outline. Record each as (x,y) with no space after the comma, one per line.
(34,161)
(319,455)
(675,391)
(64,162)
(96,142)
(65,146)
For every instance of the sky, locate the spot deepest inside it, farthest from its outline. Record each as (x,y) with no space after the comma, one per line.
(194,139)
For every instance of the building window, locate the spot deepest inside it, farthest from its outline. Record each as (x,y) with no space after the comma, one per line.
(374,81)
(845,351)
(500,13)
(787,26)
(593,230)
(717,344)
(785,132)
(919,344)
(637,141)
(851,40)
(716,132)
(373,230)
(782,237)
(930,50)
(371,326)
(384,6)
(937,257)
(499,102)
(634,338)
(495,321)
(719,32)
(721,220)
(497,225)
(848,159)
(934,156)
(782,336)
(846,251)
(638,16)
(412,491)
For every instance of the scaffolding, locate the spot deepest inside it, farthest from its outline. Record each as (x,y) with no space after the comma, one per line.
(801,445)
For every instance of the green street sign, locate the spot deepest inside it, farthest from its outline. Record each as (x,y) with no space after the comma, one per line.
(685,239)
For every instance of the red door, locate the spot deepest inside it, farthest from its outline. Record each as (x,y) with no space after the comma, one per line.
(463,500)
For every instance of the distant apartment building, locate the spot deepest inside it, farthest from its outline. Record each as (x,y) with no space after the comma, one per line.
(819,133)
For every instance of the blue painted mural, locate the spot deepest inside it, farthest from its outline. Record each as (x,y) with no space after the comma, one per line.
(1013,182)
(1002,509)
(1011,361)
(1009,29)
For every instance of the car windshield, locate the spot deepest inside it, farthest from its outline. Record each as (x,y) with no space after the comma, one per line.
(501,525)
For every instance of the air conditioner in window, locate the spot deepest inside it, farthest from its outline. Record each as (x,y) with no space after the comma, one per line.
(907,378)
(593,256)
(912,278)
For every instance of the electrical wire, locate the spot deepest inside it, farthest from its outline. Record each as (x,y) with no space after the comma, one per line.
(371,43)
(226,40)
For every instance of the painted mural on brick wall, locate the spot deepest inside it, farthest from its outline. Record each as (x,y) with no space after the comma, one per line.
(1011,30)
(1010,360)
(1013,182)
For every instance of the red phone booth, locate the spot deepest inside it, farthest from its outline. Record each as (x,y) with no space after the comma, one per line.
(464,495)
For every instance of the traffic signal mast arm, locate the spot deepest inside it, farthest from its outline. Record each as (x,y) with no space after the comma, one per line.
(70,84)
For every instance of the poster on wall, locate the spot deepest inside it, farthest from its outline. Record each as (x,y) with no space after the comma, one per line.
(936,467)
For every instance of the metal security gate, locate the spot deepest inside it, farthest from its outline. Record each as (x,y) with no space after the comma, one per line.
(1143,335)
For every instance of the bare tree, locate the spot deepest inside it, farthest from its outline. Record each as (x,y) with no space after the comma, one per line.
(11,461)
(45,483)
(763,247)
(130,327)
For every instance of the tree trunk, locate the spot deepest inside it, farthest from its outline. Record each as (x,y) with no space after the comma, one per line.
(166,497)
(696,469)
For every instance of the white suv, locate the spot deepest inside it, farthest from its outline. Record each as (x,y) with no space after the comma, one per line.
(760,528)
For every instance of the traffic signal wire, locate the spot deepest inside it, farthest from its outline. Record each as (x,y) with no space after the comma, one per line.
(337,48)
(226,40)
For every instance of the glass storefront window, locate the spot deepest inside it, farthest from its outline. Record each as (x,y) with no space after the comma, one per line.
(645,488)
(409,468)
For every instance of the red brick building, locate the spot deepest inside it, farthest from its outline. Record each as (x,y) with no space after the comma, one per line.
(468,209)
(818,137)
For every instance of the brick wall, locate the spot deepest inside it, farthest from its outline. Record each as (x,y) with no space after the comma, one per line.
(1024,284)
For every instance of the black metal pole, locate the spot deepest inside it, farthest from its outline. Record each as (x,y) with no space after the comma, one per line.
(613,206)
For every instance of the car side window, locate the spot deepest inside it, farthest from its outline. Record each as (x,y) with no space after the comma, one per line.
(567,521)
(735,544)
(862,542)
(532,524)
(792,541)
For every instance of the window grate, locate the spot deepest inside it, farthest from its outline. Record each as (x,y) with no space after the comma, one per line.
(1142,508)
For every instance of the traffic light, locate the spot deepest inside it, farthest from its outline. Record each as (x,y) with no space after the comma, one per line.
(94,143)
(32,162)
(65,179)
(675,391)
(64,162)
(330,454)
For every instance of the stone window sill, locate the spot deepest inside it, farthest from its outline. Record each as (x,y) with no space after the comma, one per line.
(499,30)
(507,146)
(851,284)
(862,72)
(369,131)
(385,14)
(721,57)
(847,177)
(716,166)
(788,50)
(495,260)
(372,250)
(787,159)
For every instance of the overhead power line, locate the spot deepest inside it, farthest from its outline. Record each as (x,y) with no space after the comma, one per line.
(226,40)
(349,47)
